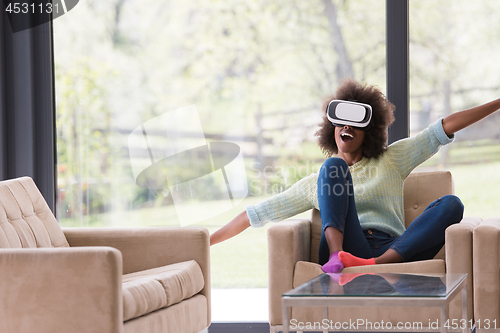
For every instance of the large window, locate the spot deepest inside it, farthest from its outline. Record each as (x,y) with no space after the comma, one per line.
(182,113)
(453,63)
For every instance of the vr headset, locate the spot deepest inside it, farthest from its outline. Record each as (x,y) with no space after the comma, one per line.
(349,113)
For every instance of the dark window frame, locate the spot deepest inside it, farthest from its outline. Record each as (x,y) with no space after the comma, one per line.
(27,106)
(397,66)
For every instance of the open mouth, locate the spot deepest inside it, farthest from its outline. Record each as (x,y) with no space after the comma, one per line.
(346,137)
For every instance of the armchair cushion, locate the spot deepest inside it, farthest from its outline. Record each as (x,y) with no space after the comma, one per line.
(186,316)
(153,289)
(422,188)
(26,220)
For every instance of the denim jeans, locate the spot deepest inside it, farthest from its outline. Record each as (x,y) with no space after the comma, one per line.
(422,240)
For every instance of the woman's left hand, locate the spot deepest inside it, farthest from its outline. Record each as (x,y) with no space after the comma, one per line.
(460,120)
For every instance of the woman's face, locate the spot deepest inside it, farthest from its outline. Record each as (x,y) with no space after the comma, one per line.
(349,139)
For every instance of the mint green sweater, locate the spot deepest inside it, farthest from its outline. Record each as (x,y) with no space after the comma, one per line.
(378,185)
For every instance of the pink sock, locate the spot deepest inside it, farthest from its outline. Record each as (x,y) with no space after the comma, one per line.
(334,265)
(349,260)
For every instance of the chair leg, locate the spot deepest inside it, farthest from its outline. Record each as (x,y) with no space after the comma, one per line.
(275,328)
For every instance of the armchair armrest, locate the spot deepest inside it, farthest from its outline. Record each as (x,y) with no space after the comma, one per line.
(458,249)
(288,242)
(486,254)
(60,290)
(146,248)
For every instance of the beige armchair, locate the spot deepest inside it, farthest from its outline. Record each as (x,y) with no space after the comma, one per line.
(486,254)
(293,258)
(94,279)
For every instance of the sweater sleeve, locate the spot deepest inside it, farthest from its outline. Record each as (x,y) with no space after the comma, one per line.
(407,154)
(293,201)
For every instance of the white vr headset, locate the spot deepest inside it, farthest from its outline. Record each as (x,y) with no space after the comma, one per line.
(354,114)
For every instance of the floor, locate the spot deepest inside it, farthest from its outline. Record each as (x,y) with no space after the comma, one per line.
(239,305)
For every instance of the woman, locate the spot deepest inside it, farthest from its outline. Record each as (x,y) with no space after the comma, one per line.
(359,193)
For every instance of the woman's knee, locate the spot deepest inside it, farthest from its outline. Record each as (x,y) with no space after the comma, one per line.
(454,206)
(335,161)
(335,166)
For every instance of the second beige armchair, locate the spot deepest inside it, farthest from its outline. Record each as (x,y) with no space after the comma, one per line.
(293,258)
(486,253)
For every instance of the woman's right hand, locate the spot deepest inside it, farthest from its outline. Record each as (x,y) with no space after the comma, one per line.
(234,227)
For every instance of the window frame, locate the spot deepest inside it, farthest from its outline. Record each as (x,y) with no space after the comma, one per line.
(27,106)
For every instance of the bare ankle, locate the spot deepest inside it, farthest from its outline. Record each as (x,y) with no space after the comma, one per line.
(389,257)
(334,239)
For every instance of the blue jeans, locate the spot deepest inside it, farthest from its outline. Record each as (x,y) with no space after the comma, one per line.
(422,239)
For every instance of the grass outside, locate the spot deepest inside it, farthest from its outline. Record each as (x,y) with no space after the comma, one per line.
(478,186)
(241,262)
(475,167)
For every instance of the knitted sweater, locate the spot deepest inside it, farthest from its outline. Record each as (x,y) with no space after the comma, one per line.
(378,185)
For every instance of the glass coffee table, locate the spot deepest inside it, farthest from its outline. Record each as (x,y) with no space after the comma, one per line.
(379,290)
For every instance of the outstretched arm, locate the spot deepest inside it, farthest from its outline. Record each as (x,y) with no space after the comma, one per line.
(460,120)
(237,225)
(291,202)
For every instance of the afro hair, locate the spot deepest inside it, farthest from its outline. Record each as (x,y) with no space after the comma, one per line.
(375,142)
